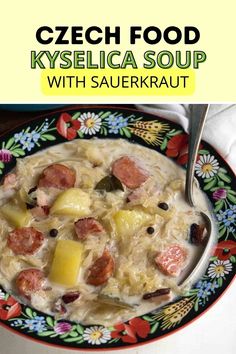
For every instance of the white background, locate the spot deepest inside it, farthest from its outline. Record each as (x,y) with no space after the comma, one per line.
(213,333)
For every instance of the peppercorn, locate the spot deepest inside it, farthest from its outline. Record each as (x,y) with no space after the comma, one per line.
(163,206)
(150,230)
(53,232)
(33,189)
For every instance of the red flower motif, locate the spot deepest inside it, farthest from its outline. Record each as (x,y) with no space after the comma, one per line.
(225,249)
(141,327)
(128,333)
(178,147)
(67,127)
(9,308)
(124,332)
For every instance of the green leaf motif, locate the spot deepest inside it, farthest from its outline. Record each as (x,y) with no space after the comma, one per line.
(46,333)
(224,177)
(232,198)
(79,329)
(206,180)
(81,134)
(219,206)
(104,115)
(50,321)
(231,192)
(223,170)
(76,115)
(9,143)
(164,144)
(29,312)
(222,232)
(210,185)
(196,305)
(220,282)
(1,164)
(18,152)
(147,318)
(233,259)
(203,152)
(72,340)
(212,259)
(154,327)
(73,334)
(48,137)
(127,132)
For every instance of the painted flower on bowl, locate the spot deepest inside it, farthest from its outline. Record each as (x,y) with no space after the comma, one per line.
(115,123)
(20,137)
(219,269)
(62,327)
(225,249)
(36,324)
(178,147)
(5,155)
(67,127)
(96,335)
(128,332)
(228,216)
(9,308)
(219,194)
(90,123)
(207,166)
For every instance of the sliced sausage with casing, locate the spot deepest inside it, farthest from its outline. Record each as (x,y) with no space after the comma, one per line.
(57,176)
(101,270)
(29,281)
(25,240)
(129,172)
(87,226)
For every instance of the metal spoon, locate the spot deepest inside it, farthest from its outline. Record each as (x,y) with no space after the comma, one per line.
(196,124)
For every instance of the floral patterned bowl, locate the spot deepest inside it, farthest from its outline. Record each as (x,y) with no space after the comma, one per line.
(215,178)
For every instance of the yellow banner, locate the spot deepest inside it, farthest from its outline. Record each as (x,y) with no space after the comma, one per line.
(107,82)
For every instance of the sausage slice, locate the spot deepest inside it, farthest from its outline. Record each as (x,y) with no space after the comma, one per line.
(25,240)
(29,281)
(86,226)
(129,172)
(57,176)
(101,270)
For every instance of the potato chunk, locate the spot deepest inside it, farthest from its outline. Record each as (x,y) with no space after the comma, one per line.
(127,222)
(66,262)
(16,214)
(72,202)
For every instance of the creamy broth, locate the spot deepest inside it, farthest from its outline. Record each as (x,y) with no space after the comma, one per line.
(133,248)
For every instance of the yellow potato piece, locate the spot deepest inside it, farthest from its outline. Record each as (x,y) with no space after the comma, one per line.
(127,222)
(66,262)
(72,202)
(16,214)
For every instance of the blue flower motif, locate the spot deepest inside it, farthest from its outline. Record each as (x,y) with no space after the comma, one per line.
(114,130)
(37,324)
(27,145)
(214,286)
(20,137)
(35,136)
(45,126)
(116,123)
(17,323)
(204,289)
(228,216)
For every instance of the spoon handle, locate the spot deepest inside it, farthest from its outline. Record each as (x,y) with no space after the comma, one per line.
(196,124)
